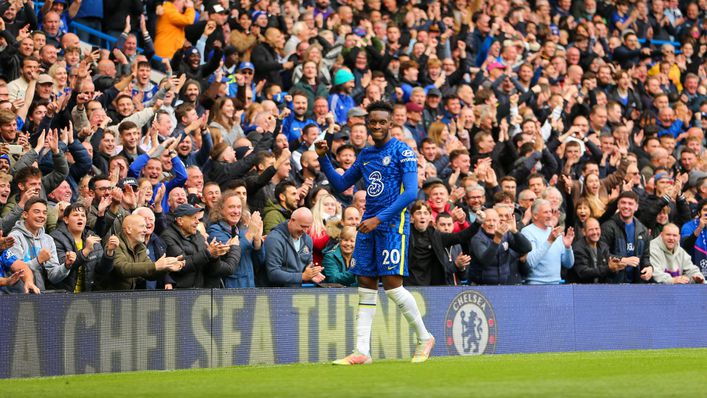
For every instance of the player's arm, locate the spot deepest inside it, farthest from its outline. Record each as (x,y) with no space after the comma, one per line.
(339,182)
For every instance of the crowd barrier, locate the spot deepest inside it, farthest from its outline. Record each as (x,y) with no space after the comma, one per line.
(58,334)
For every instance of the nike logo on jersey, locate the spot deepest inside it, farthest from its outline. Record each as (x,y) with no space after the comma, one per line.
(366,163)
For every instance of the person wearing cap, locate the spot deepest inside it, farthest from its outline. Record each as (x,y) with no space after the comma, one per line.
(217,17)
(341,95)
(203,266)
(45,87)
(169,33)
(189,61)
(288,249)
(432,107)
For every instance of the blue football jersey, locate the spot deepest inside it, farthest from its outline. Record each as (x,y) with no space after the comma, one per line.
(383,170)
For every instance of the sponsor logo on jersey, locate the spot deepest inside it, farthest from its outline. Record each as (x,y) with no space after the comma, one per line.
(470,325)
(408,153)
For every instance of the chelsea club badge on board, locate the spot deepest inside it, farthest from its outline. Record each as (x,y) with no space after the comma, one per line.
(470,325)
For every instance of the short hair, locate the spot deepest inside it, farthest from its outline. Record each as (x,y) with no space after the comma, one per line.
(537,203)
(281,187)
(444,214)
(507,178)
(628,195)
(456,153)
(344,147)
(92,182)
(126,125)
(181,110)
(25,173)
(380,106)
(32,201)
(502,196)
(76,206)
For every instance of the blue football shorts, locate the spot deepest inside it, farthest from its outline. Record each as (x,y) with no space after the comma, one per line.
(381,252)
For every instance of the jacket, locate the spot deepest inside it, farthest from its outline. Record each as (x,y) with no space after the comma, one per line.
(275,214)
(244,271)
(27,247)
(498,264)
(129,264)
(614,235)
(585,269)
(335,268)
(439,242)
(93,264)
(169,34)
(200,269)
(283,263)
(267,64)
(668,264)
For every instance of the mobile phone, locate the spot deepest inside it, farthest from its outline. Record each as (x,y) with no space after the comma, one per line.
(94,49)
(15,149)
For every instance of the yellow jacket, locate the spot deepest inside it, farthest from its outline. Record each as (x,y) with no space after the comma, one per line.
(169,35)
(673,74)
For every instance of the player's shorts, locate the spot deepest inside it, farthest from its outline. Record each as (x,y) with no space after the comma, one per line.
(380,252)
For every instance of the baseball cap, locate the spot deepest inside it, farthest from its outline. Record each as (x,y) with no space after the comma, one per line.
(257,15)
(336,136)
(127,181)
(186,210)
(355,112)
(192,51)
(662,176)
(45,79)
(246,65)
(495,65)
(216,8)
(434,92)
(413,107)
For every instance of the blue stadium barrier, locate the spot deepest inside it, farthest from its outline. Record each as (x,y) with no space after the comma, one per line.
(58,334)
(108,39)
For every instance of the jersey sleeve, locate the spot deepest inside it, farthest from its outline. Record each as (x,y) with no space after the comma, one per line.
(407,159)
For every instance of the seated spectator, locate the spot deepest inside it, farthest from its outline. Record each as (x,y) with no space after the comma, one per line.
(288,251)
(338,260)
(548,254)
(80,250)
(671,263)
(130,259)
(35,247)
(287,201)
(694,237)
(496,251)
(204,266)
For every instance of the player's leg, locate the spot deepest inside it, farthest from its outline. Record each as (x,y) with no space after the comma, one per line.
(365,269)
(393,268)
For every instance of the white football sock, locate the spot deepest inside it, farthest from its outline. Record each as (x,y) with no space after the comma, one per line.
(408,306)
(367,299)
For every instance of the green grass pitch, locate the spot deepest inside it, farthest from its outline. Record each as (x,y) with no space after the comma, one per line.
(653,373)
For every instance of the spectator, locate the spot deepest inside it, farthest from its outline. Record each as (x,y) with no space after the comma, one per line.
(266,57)
(694,237)
(35,247)
(628,239)
(130,260)
(280,211)
(548,253)
(496,251)
(156,248)
(80,251)
(170,35)
(204,266)
(325,208)
(671,262)
(289,252)
(592,261)
(338,260)
(226,226)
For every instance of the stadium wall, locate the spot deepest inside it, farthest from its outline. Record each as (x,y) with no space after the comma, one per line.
(58,334)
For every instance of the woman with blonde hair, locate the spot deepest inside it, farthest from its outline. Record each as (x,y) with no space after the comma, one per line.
(338,261)
(325,208)
(590,192)
(61,79)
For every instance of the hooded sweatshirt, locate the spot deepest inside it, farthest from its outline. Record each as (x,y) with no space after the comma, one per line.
(668,264)
(27,247)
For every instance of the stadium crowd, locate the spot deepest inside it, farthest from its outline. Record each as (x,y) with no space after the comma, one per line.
(556,140)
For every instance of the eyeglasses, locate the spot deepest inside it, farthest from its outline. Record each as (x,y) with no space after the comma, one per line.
(247,72)
(105,188)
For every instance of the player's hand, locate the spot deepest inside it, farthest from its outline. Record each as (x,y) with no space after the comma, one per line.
(369,225)
(321,147)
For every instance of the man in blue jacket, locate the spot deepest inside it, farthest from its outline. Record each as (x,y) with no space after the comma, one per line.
(289,252)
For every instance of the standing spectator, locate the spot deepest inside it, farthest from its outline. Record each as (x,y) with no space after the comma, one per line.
(90,13)
(131,262)
(496,250)
(548,253)
(592,261)
(325,208)
(35,247)
(203,265)
(170,35)
(79,249)
(267,56)
(226,226)
(628,239)
(671,262)
(694,237)
(288,251)
(338,261)
(280,211)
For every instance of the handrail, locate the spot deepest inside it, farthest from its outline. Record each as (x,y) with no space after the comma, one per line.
(108,38)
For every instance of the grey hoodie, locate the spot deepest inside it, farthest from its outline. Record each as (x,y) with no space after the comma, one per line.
(27,247)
